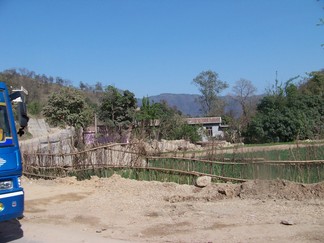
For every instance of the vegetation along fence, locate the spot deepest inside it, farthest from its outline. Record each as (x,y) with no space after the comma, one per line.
(131,161)
(298,171)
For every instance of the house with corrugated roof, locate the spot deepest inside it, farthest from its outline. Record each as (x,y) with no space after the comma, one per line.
(212,126)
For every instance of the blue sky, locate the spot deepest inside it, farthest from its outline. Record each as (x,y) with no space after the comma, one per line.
(159,46)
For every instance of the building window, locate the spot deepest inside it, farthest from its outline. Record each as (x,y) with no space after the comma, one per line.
(209,131)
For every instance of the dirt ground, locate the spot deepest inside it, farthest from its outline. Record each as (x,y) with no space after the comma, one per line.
(121,210)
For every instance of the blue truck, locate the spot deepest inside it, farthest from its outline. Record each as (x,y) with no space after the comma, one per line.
(11,191)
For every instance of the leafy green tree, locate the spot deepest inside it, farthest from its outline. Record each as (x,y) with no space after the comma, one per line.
(169,119)
(67,107)
(288,113)
(59,81)
(117,108)
(98,86)
(146,117)
(159,121)
(172,125)
(34,108)
(314,84)
(184,131)
(274,120)
(210,86)
(83,86)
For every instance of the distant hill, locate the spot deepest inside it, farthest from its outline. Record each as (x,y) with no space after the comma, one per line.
(40,87)
(188,105)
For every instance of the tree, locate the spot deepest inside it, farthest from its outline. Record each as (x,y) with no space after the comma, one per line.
(168,117)
(287,113)
(210,87)
(98,86)
(243,91)
(146,117)
(314,84)
(83,86)
(34,108)
(67,107)
(59,81)
(117,108)
(159,121)
(182,130)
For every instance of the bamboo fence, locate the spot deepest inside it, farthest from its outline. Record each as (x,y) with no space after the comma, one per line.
(131,161)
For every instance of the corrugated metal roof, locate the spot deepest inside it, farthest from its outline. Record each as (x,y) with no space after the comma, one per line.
(204,120)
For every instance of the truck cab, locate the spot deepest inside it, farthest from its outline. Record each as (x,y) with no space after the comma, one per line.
(11,191)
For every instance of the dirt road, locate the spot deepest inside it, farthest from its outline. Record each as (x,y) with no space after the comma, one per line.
(121,210)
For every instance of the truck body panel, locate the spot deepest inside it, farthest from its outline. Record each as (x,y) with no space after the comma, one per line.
(11,192)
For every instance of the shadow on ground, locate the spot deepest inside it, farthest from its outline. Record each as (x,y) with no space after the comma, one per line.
(10,231)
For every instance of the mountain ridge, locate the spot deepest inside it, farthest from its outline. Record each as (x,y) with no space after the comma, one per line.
(189,106)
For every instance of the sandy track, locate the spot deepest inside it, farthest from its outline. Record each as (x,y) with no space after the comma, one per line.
(121,210)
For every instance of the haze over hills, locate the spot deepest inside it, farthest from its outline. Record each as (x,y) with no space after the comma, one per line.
(188,103)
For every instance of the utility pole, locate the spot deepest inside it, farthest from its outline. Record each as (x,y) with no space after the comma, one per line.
(96,129)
